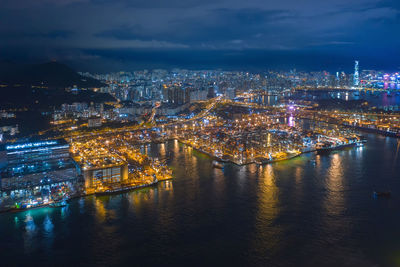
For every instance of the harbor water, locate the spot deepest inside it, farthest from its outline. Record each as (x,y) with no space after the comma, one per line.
(313,210)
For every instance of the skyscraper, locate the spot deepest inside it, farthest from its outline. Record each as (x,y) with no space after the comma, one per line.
(176,94)
(356,74)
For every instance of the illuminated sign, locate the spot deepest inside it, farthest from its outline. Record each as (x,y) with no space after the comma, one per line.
(31,145)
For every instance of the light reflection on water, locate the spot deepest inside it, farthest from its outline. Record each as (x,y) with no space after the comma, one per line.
(48,225)
(379,99)
(100,210)
(30,226)
(287,213)
(29,234)
(48,232)
(264,242)
(334,202)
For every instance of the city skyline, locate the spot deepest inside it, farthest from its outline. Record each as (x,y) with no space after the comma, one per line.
(200,133)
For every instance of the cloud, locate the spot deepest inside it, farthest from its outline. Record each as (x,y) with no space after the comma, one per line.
(284,25)
(54,34)
(24,4)
(122,33)
(335,43)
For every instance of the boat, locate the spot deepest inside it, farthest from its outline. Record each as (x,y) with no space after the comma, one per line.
(382,194)
(326,148)
(123,189)
(22,207)
(217,164)
(58,204)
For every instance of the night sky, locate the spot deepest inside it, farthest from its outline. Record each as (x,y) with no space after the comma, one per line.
(108,35)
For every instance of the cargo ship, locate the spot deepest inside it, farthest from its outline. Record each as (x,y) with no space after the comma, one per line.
(123,189)
(327,147)
(36,204)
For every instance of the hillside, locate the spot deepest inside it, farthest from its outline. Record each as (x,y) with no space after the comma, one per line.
(51,74)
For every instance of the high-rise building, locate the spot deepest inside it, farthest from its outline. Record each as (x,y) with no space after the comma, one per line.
(198,95)
(356,74)
(211,92)
(176,95)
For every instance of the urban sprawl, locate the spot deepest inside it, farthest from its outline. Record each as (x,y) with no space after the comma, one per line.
(234,117)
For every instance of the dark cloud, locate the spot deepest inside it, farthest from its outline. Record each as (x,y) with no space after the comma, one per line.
(157,4)
(222,25)
(71,28)
(50,35)
(124,33)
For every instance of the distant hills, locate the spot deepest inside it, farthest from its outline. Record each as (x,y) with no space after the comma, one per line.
(52,78)
(51,74)
(16,97)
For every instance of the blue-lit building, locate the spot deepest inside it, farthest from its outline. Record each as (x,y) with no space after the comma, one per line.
(26,169)
(35,155)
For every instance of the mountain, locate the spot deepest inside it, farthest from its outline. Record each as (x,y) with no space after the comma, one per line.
(43,99)
(51,74)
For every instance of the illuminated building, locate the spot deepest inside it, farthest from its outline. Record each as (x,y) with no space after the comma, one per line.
(211,92)
(356,74)
(34,165)
(100,167)
(176,95)
(99,176)
(94,122)
(198,95)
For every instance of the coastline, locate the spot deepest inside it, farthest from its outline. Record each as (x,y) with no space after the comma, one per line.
(268,161)
(360,128)
(120,190)
(253,161)
(123,189)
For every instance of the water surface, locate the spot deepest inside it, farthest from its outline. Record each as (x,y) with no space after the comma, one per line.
(282,214)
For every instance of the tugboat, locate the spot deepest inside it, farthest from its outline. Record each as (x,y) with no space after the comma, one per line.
(217,164)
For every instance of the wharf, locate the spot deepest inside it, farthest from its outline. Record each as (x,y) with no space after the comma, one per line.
(124,189)
(118,190)
(264,161)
